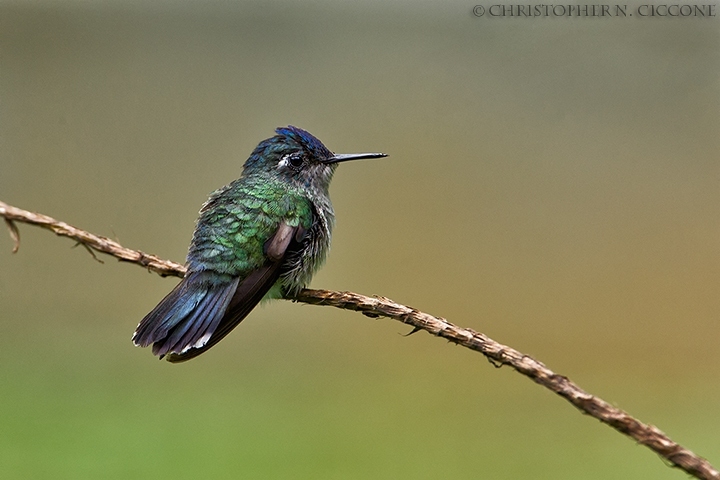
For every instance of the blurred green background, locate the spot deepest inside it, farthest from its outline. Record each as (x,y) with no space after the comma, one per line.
(552,182)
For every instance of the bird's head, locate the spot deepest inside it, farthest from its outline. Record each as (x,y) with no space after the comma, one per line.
(298,157)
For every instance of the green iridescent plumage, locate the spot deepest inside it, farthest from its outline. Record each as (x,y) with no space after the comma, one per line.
(239,219)
(263,235)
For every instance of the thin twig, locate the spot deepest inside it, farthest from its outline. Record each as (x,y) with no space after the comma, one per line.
(14,234)
(497,353)
(94,242)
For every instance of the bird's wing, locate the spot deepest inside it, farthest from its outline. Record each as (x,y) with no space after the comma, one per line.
(247,294)
(198,313)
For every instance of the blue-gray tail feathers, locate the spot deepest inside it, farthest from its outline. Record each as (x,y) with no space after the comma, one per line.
(187,317)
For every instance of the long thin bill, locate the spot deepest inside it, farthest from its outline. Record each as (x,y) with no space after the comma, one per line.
(344,157)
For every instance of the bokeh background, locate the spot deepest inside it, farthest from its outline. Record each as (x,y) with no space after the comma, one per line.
(552,182)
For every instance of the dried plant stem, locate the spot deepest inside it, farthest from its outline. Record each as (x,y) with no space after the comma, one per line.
(497,353)
(95,242)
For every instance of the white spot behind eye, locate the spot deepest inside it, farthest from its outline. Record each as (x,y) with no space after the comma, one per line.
(283,161)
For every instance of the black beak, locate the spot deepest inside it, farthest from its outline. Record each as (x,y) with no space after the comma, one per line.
(344,157)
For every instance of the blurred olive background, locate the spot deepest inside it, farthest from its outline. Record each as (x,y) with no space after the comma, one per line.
(552,182)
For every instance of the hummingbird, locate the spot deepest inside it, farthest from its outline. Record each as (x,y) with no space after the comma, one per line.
(262,236)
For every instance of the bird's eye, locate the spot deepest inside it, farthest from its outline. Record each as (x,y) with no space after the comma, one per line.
(294,160)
